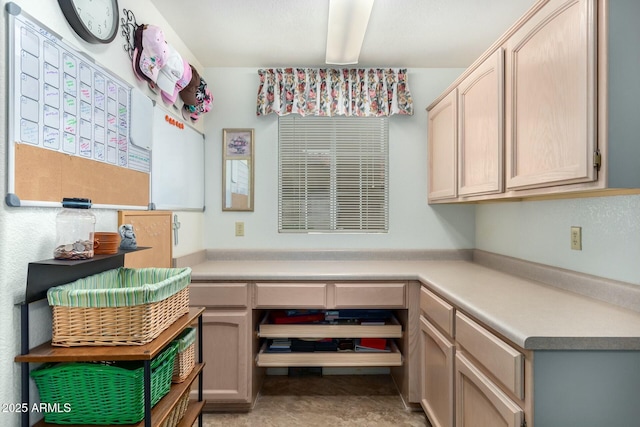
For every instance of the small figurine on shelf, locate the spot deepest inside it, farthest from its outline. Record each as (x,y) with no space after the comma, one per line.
(128,237)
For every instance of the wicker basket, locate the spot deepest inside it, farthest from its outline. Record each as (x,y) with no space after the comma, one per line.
(99,393)
(123,306)
(185,359)
(178,411)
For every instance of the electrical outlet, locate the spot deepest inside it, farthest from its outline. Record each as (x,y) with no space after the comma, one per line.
(239,229)
(576,238)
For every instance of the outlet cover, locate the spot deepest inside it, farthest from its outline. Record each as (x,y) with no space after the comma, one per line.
(239,229)
(576,238)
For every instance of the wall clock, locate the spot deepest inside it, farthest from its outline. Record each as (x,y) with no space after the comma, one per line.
(96,21)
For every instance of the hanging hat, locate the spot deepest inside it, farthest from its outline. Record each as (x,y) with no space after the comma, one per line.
(171,96)
(154,53)
(188,94)
(135,58)
(171,71)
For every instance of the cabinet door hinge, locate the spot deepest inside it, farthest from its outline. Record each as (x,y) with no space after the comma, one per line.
(597,160)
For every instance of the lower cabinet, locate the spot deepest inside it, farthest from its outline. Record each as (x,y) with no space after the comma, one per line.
(227,356)
(437,375)
(230,381)
(470,376)
(480,402)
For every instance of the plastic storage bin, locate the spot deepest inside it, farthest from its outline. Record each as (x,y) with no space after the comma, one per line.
(123,306)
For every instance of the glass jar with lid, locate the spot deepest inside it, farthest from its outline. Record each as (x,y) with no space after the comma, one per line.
(75,227)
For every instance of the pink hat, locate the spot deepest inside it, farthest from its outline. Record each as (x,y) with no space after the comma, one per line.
(155,52)
(170,96)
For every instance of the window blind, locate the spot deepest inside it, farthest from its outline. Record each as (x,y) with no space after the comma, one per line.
(333,174)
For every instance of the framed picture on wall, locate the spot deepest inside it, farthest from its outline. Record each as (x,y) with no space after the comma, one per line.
(237,169)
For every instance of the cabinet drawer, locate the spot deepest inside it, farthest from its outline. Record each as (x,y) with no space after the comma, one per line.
(218,294)
(298,295)
(378,295)
(498,357)
(440,312)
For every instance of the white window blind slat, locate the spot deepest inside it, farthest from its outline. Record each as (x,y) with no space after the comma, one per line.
(333,174)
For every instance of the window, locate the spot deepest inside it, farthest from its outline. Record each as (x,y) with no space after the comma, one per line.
(333,174)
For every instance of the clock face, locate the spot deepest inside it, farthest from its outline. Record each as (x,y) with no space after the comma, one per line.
(96,21)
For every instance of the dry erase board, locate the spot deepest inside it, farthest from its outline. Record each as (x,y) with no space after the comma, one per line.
(72,116)
(177,164)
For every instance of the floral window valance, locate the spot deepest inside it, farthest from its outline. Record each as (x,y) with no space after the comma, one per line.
(372,92)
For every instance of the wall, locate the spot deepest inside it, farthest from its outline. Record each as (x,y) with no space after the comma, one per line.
(28,234)
(539,231)
(412,222)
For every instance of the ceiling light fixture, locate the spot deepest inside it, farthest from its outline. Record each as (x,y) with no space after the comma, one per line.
(348,21)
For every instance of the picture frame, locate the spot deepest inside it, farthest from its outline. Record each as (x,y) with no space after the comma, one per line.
(238,169)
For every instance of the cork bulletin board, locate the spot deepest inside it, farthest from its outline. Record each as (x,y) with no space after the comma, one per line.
(68,125)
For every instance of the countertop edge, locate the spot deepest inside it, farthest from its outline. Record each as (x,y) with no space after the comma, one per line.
(438,276)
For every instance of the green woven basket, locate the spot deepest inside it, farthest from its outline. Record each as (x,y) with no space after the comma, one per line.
(98,393)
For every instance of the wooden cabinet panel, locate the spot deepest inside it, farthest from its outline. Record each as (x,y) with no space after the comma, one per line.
(153,230)
(440,312)
(551,97)
(499,358)
(437,375)
(442,148)
(373,295)
(479,402)
(291,295)
(481,128)
(227,354)
(219,294)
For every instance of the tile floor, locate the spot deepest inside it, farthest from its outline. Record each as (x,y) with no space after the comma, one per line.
(333,400)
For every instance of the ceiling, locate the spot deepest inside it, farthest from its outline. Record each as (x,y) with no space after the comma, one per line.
(401,33)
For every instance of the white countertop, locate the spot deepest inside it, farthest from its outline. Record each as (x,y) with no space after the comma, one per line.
(530,314)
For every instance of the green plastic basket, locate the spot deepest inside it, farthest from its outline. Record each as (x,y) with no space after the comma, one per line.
(99,393)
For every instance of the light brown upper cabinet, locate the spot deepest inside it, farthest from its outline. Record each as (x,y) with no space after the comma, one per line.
(442,148)
(551,97)
(567,102)
(481,128)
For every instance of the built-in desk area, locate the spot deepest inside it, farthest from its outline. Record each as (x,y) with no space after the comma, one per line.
(548,338)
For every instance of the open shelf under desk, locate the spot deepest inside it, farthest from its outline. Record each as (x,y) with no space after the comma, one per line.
(329,358)
(163,408)
(49,353)
(392,329)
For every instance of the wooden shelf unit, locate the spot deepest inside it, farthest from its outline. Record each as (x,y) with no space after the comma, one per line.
(49,353)
(48,273)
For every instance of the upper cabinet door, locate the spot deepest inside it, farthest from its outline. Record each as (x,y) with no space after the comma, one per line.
(481,128)
(551,97)
(442,146)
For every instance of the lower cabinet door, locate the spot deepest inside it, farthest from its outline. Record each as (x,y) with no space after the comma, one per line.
(437,375)
(479,402)
(226,352)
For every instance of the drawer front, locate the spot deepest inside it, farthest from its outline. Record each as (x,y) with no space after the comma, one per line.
(378,295)
(440,312)
(292,295)
(219,294)
(503,361)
